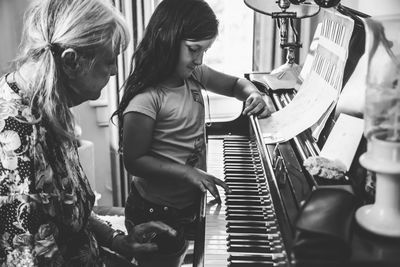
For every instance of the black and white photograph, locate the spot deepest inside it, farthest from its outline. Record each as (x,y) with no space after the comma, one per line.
(199,133)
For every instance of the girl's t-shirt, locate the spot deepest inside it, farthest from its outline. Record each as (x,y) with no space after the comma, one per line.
(178,136)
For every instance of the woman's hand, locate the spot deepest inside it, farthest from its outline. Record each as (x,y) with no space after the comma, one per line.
(205,181)
(255,105)
(139,240)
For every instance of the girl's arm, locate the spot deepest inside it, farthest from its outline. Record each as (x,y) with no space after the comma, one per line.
(137,138)
(240,88)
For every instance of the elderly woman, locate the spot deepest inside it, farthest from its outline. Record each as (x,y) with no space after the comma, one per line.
(68,53)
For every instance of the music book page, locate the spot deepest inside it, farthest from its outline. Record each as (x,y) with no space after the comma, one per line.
(343,140)
(303,111)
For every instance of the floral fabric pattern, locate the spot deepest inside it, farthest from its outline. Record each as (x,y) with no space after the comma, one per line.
(45,197)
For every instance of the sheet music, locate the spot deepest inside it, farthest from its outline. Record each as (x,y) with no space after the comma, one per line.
(335,34)
(318,94)
(302,112)
(343,140)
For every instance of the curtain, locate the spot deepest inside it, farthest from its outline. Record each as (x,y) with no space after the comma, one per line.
(137,13)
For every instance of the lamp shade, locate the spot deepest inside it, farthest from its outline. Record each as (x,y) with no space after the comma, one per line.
(269,7)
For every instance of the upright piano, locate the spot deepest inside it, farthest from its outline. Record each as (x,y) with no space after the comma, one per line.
(255,224)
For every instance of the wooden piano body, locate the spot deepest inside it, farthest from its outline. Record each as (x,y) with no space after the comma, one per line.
(241,232)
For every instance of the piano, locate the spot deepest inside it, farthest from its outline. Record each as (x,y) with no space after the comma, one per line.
(255,224)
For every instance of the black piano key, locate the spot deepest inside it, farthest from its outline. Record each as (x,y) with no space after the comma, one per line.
(270,237)
(250,264)
(237,145)
(228,168)
(236,161)
(238,180)
(246,165)
(248,197)
(251,258)
(244,171)
(243,186)
(266,214)
(252,230)
(246,229)
(252,179)
(244,212)
(230,142)
(235,172)
(243,202)
(237,151)
(250,223)
(274,244)
(250,249)
(240,208)
(242,216)
(248,192)
(243,157)
(252,218)
(250,176)
(247,202)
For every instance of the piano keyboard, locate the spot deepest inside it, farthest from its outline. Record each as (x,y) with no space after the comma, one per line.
(243,230)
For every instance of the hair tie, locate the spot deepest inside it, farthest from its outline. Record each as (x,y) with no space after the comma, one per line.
(49,46)
(52,47)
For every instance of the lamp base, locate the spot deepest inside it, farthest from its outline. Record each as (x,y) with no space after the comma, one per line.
(383,158)
(379,220)
(287,71)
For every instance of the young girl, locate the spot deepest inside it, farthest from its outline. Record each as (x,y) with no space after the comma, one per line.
(163,122)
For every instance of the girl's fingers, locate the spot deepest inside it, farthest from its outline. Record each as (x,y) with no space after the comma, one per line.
(222,184)
(212,188)
(265,113)
(249,105)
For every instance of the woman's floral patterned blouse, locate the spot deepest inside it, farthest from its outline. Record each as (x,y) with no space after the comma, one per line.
(44,205)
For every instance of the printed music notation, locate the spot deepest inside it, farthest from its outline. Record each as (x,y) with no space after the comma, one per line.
(318,94)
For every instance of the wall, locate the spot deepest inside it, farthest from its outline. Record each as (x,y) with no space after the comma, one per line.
(87,119)
(10,30)
(373,7)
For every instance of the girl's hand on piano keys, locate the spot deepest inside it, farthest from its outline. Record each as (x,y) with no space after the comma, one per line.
(205,181)
(256,105)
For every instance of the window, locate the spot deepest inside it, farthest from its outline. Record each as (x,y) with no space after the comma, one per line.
(231,53)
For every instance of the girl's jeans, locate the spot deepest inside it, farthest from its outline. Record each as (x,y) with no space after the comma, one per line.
(171,250)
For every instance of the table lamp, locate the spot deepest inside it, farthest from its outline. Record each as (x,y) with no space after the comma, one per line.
(382,130)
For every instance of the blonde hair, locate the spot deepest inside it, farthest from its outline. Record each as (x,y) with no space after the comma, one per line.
(51,26)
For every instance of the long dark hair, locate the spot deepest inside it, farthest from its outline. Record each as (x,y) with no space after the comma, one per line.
(156,56)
